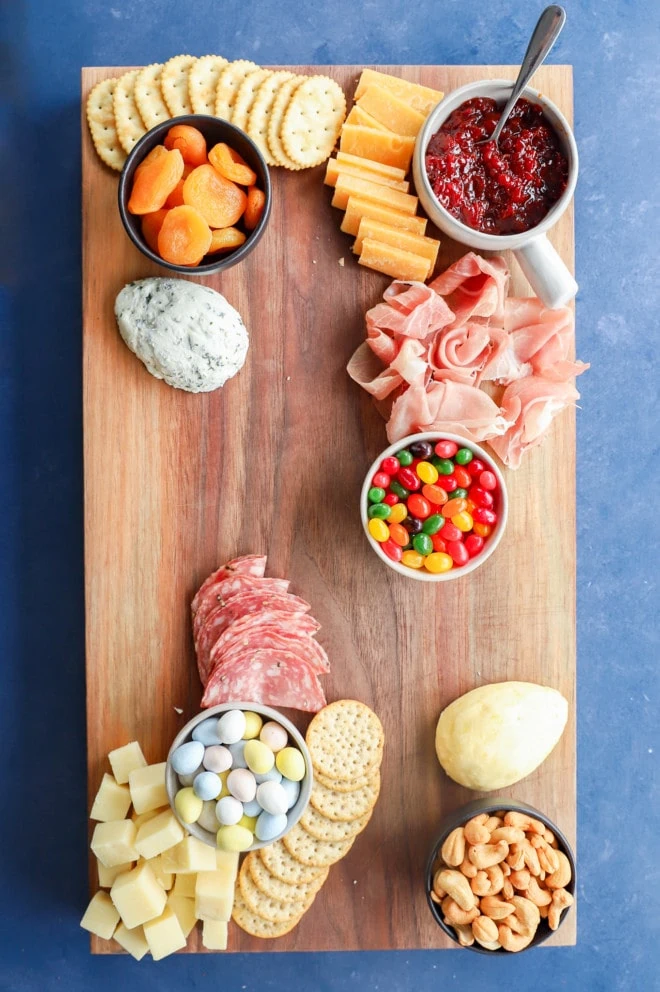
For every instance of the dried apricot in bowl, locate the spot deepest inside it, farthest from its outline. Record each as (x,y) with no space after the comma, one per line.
(220,201)
(226,238)
(190,142)
(151,225)
(256,201)
(154,181)
(229,164)
(184,237)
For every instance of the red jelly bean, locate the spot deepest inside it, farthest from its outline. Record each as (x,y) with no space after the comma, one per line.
(390,465)
(462,476)
(480,497)
(474,544)
(476,467)
(488,480)
(392,550)
(451,534)
(484,516)
(458,552)
(391,499)
(409,478)
(418,506)
(446,449)
(381,479)
(449,483)
(438,543)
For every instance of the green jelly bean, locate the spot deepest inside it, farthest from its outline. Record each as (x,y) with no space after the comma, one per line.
(458,494)
(380,511)
(405,458)
(433,524)
(376,494)
(463,456)
(423,544)
(445,466)
(399,490)
(436,461)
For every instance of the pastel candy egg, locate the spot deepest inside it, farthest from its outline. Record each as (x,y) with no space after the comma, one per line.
(235,838)
(186,780)
(274,775)
(253,723)
(187,757)
(241,784)
(207,785)
(207,818)
(269,826)
(291,763)
(274,736)
(260,759)
(237,752)
(228,811)
(188,805)
(252,808)
(206,732)
(249,822)
(292,790)
(217,758)
(231,726)
(272,798)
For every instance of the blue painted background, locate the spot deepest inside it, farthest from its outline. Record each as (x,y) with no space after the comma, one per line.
(43,873)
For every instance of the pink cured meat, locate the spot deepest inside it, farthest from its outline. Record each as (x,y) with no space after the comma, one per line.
(276,637)
(274,678)
(234,609)
(300,624)
(219,592)
(446,406)
(254,565)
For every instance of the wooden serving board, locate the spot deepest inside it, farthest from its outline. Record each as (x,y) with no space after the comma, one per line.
(176,484)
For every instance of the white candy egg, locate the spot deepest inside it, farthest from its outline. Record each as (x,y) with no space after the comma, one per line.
(187,757)
(231,726)
(274,736)
(292,790)
(272,798)
(207,818)
(268,826)
(228,811)
(242,785)
(206,732)
(217,758)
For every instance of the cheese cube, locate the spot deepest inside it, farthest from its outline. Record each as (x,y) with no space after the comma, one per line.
(420,98)
(100,917)
(184,884)
(347,186)
(111,802)
(214,890)
(108,875)
(140,818)
(138,896)
(357,208)
(124,760)
(394,262)
(336,169)
(343,158)
(184,909)
(164,878)
(361,117)
(189,855)
(147,787)
(214,935)
(381,146)
(159,834)
(164,935)
(132,941)
(389,110)
(113,842)
(426,247)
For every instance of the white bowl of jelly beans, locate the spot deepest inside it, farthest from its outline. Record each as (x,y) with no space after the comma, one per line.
(434,506)
(239,776)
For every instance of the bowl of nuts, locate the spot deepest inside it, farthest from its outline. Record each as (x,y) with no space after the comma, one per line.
(500,877)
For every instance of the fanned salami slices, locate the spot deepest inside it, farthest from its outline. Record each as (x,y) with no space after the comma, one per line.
(265,635)
(254,565)
(276,678)
(218,593)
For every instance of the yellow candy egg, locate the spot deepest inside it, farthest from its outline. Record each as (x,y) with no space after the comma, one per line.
(249,822)
(260,759)
(438,561)
(463,521)
(236,838)
(188,805)
(223,778)
(428,473)
(379,530)
(398,513)
(291,763)
(412,559)
(253,724)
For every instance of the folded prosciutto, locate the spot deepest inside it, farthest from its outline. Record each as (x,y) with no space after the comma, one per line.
(530,404)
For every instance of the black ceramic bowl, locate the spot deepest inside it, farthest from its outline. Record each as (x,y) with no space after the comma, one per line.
(214,130)
(458,819)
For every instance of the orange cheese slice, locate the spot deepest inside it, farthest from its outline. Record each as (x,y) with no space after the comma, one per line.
(354,186)
(357,208)
(393,261)
(366,163)
(375,230)
(391,111)
(390,149)
(360,116)
(421,98)
(336,169)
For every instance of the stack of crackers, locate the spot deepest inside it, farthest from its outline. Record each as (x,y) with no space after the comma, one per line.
(278,884)
(295,120)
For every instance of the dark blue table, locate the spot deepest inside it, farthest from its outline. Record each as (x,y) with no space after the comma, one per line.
(613,45)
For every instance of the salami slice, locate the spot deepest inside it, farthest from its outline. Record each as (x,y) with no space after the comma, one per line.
(267,635)
(294,623)
(274,678)
(218,593)
(254,565)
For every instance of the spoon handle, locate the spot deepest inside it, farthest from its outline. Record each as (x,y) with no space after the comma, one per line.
(543,38)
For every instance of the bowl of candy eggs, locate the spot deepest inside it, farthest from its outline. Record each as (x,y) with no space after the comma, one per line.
(238,776)
(434,506)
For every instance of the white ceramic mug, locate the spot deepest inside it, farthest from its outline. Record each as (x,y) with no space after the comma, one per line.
(547,274)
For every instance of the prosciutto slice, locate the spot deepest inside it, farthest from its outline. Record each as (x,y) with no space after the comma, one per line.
(446,406)
(530,404)
(474,287)
(539,342)
(464,353)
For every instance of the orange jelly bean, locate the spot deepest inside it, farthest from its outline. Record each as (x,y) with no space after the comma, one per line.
(453,507)
(434,494)
(483,530)
(399,535)
(462,476)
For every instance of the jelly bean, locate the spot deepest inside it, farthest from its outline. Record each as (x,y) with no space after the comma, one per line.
(433,524)
(428,473)
(485,516)
(207,785)
(378,511)
(188,757)
(231,726)
(480,497)
(292,790)
(260,759)
(446,449)
(405,457)
(274,736)
(217,758)
(482,530)
(453,507)
(228,811)
(412,525)
(423,544)
(434,494)
(272,776)
(463,477)
(291,763)
(464,456)
(381,480)
(409,478)
(463,521)
(234,838)
(399,490)
(398,514)
(421,449)
(272,798)
(390,465)
(474,544)
(392,550)
(207,818)
(444,467)
(412,559)
(460,493)
(438,543)
(206,732)
(418,506)
(476,467)
(458,552)
(450,532)
(399,535)
(242,785)
(449,483)
(237,752)
(376,494)
(188,805)
(390,499)
(488,480)
(438,562)
(253,724)
(252,808)
(378,530)
(269,827)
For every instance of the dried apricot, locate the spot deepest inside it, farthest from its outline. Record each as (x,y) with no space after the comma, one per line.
(229,164)
(175,199)
(256,201)
(190,142)
(151,225)
(184,237)
(154,182)
(226,238)
(156,152)
(220,201)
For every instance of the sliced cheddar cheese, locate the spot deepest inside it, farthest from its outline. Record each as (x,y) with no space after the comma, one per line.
(377,231)
(420,98)
(391,111)
(391,149)
(336,169)
(366,163)
(357,208)
(354,186)
(360,116)
(393,261)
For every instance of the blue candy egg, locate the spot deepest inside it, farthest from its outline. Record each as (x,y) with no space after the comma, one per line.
(207,785)
(272,776)
(292,790)
(187,757)
(206,732)
(252,808)
(238,757)
(268,826)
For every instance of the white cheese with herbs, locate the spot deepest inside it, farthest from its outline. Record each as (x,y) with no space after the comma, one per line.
(186,334)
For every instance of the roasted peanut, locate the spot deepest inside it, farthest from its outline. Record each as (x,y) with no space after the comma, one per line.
(464,934)
(468,869)
(530,857)
(480,884)
(520,879)
(497,909)
(512,835)
(486,855)
(507,889)
(495,879)
(513,941)
(455,914)
(524,822)
(457,886)
(493,822)
(561,900)
(537,895)
(526,912)
(484,930)
(559,879)
(453,849)
(475,831)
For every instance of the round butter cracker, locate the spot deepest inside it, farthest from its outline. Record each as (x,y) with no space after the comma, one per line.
(101,122)
(259,115)
(340,784)
(275,888)
(283,866)
(129,123)
(345,740)
(229,80)
(276,117)
(203,83)
(273,910)
(245,96)
(322,828)
(313,120)
(174,84)
(346,806)
(149,97)
(255,925)
(311,851)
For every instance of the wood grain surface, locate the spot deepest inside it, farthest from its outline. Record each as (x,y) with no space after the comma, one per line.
(176,484)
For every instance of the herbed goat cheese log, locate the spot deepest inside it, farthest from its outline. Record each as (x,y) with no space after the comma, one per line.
(184,333)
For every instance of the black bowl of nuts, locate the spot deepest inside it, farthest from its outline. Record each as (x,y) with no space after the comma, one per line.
(500,876)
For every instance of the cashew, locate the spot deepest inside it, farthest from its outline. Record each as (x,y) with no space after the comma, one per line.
(475,831)
(526,912)
(487,855)
(530,857)
(453,849)
(524,822)
(458,887)
(496,908)
(468,869)
(513,941)
(493,822)
(514,923)
(516,857)
(437,886)
(480,884)
(464,934)
(436,898)
(561,900)
(512,835)
(543,910)
(549,836)
(507,889)
(537,895)
(455,914)
(495,879)
(484,930)
(520,879)
(506,869)
(548,858)
(559,879)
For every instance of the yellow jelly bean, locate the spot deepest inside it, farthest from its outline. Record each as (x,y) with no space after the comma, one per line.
(291,763)
(260,759)
(428,473)
(236,838)
(379,530)
(249,822)
(412,559)
(399,513)
(188,805)
(438,562)
(253,724)
(463,521)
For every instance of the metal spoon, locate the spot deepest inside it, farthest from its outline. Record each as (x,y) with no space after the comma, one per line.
(543,38)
